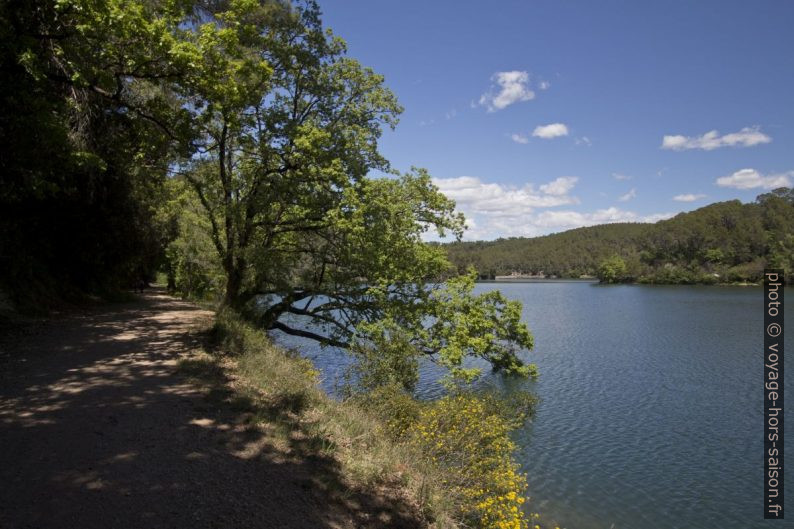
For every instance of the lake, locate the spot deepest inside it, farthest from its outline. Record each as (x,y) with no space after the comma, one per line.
(651,406)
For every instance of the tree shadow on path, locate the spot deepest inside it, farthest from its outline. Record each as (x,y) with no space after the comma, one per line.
(98,430)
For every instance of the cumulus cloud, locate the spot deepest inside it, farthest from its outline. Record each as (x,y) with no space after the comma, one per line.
(552,130)
(576,219)
(495,210)
(628,196)
(507,88)
(473,195)
(751,179)
(519,138)
(559,186)
(747,137)
(689,197)
(620,176)
(544,85)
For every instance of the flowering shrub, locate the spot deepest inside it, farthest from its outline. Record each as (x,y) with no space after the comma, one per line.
(468,440)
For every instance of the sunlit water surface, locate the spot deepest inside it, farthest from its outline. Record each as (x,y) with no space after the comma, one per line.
(651,412)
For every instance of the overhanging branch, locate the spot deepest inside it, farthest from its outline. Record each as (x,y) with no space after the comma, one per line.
(308,334)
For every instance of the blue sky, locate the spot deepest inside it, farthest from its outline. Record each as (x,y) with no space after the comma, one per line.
(539,116)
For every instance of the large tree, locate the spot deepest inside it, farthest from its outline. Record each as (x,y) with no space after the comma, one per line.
(88,122)
(286,134)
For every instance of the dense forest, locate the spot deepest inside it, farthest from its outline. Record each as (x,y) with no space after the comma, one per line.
(722,242)
(225,146)
(85,143)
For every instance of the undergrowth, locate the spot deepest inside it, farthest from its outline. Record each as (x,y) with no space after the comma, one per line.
(452,459)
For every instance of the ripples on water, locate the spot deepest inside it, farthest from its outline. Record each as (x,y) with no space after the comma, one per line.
(651,413)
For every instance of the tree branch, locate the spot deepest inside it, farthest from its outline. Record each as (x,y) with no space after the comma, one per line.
(310,335)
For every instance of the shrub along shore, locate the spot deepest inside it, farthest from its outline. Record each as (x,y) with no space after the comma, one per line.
(450,459)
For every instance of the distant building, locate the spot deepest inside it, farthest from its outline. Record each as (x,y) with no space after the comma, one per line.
(519,275)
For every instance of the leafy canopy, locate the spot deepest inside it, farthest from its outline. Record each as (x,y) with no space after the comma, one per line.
(285,133)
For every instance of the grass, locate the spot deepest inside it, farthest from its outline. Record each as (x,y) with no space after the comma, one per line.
(450,461)
(279,390)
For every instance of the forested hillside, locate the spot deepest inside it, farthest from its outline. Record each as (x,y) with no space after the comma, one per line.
(88,126)
(722,242)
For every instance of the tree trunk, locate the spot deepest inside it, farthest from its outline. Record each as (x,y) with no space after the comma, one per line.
(235,296)
(234,283)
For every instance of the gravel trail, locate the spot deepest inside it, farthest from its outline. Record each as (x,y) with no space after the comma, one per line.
(99,430)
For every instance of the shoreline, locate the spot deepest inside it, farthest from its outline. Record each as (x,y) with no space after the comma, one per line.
(597,282)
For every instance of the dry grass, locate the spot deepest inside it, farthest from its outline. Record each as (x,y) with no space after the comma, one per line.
(280,392)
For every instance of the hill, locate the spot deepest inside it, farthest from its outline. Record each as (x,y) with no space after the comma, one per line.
(722,242)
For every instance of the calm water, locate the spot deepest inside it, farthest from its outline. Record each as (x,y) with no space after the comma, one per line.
(651,412)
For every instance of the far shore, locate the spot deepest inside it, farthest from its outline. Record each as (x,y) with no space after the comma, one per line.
(596,281)
(539,280)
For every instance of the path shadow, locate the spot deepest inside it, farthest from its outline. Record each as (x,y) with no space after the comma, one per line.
(99,430)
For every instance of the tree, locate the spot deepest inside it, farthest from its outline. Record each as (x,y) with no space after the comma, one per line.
(87,109)
(778,218)
(285,124)
(286,133)
(612,270)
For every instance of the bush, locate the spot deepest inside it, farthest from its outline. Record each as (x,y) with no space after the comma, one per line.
(752,272)
(388,359)
(612,270)
(453,456)
(467,438)
(396,406)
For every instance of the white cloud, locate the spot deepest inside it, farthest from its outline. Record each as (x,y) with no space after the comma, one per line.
(656,217)
(689,197)
(750,179)
(552,130)
(451,114)
(510,87)
(559,186)
(747,137)
(519,138)
(620,176)
(495,210)
(584,140)
(576,219)
(628,196)
(544,85)
(473,195)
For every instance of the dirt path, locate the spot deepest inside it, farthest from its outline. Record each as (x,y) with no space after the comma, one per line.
(97,429)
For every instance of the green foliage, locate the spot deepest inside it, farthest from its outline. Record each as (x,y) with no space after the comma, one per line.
(87,110)
(387,359)
(486,326)
(714,255)
(569,254)
(722,242)
(612,270)
(447,323)
(463,435)
(230,144)
(286,129)
(398,408)
(452,457)
(193,266)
